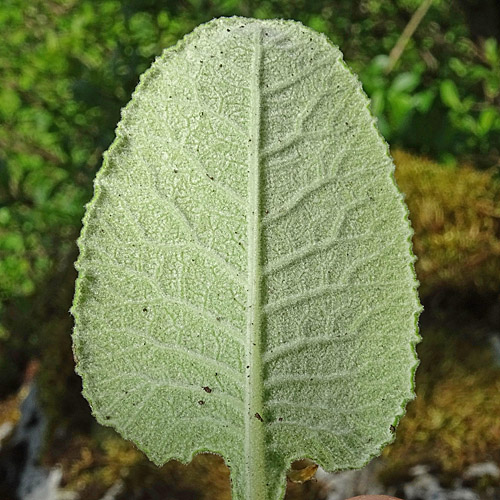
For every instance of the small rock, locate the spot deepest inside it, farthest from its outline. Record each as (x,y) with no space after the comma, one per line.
(424,486)
(20,469)
(461,494)
(351,483)
(477,471)
(419,470)
(43,485)
(427,487)
(114,491)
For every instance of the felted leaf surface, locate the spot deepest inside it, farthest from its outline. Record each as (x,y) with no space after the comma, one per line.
(246,282)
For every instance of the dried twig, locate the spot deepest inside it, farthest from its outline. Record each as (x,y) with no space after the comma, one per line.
(407,34)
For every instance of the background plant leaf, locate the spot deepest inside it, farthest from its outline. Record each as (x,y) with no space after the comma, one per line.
(246,283)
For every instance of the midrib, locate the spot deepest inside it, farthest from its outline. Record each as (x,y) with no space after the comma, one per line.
(254,428)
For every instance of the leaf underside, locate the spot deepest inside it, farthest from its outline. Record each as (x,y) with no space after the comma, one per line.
(246,282)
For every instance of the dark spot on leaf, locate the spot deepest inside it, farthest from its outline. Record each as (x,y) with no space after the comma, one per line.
(210,177)
(201,402)
(392,429)
(207,389)
(280,419)
(175,170)
(145,309)
(228,29)
(258,417)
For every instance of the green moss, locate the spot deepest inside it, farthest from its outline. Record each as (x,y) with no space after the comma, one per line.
(455,213)
(453,422)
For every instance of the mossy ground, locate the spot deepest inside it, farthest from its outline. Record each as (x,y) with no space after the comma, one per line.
(455,212)
(454,420)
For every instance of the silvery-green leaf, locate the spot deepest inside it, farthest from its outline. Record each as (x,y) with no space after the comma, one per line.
(246,282)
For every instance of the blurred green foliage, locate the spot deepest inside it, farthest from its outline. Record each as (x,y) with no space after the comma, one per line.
(450,111)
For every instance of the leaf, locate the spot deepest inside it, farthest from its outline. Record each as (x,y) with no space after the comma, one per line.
(246,283)
(491,52)
(423,100)
(405,82)
(486,120)
(449,95)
